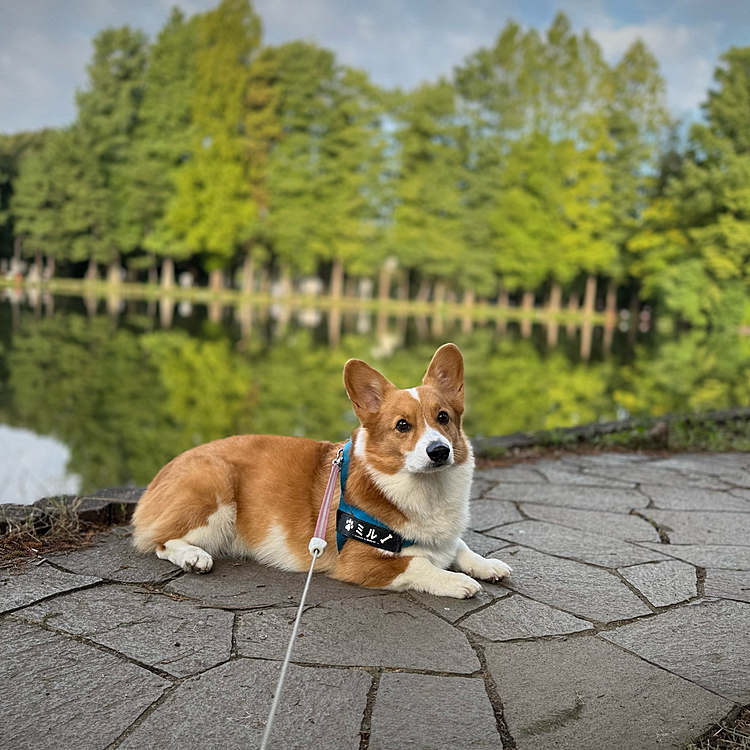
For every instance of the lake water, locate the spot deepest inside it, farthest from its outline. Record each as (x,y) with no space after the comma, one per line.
(96,394)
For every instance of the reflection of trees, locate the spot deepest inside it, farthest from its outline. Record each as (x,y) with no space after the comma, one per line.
(696,372)
(90,386)
(125,403)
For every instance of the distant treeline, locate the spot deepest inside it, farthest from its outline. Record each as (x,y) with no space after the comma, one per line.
(538,167)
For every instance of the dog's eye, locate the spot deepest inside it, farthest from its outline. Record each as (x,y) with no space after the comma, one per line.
(443,417)
(402,425)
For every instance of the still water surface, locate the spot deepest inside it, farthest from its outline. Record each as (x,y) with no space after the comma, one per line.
(91,397)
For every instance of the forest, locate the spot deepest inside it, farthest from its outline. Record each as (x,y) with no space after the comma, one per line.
(538,172)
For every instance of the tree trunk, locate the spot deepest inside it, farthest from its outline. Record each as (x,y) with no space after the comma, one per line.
(153,275)
(248,273)
(589,299)
(555,298)
(527,301)
(439,298)
(336,284)
(611,303)
(39,261)
(423,293)
(49,271)
(216,279)
(403,286)
(384,284)
(502,298)
(92,272)
(167,273)
(467,322)
(113,270)
(573,302)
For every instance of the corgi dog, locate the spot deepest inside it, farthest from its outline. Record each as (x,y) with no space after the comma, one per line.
(406,480)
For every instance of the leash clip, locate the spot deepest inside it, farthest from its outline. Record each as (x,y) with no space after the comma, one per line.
(339,458)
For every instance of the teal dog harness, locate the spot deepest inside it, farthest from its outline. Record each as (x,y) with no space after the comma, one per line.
(354,523)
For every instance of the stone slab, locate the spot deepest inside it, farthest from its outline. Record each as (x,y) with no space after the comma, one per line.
(575,545)
(701,463)
(426,712)
(453,609)
(227,707)
(728,584)
(684,498)
(59,693)
(696,527)
(239,584)
(585,498)
(646,474)
(383,631)
(115,559)
(173,636)
(37,582)
(485,514)
(579,589)
(605,459)
(555,473)
(708,555)
(517,617)
(663,583)
(482,544)
(705,643)
(582,694)
(518,474)
(480,485)
(605,523)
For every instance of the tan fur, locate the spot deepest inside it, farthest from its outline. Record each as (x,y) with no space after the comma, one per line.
(262,493)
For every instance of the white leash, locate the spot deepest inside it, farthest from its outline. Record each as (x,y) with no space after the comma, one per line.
(316,547)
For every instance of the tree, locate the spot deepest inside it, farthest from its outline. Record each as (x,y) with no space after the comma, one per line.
(108,111)
(214,210)
(161,137)
(693,252)
(324,194)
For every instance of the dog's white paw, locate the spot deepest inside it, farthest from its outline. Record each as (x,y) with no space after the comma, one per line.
(489,569)
(455,585)
(196,560)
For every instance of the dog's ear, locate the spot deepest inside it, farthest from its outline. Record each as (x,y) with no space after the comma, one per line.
(366,388)
(446,373)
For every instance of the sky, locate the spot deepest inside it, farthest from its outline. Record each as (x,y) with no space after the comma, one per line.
(46,44)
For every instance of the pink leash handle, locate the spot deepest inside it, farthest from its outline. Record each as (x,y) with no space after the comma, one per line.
(318,542)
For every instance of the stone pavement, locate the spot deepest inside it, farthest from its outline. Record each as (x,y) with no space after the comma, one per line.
(625,626)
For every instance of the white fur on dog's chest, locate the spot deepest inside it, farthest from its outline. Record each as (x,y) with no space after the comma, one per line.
(437,505)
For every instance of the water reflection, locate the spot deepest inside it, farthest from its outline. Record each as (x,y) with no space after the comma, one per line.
(125,385)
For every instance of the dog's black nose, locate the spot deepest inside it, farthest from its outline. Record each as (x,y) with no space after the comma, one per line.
(438,453)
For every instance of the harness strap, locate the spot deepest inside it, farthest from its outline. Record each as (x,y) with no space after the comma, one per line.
(355,523)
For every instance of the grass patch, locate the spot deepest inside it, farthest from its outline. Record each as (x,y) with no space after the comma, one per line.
(731,735)
(56,528)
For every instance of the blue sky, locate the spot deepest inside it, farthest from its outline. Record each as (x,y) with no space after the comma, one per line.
(45,44)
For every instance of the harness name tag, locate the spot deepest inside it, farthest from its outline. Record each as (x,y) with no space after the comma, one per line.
(377,536)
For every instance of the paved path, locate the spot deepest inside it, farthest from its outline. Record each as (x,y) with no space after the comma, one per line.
(626,626)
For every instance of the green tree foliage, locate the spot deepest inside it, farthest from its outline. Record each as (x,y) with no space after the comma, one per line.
(323,174)
(213,211)
(108,111)
(694,249)
(539,182)
(428,227)
(13,149)
(162,135)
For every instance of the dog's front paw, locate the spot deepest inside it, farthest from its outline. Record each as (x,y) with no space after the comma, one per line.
(455,585)
(196,560)
(489,569)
